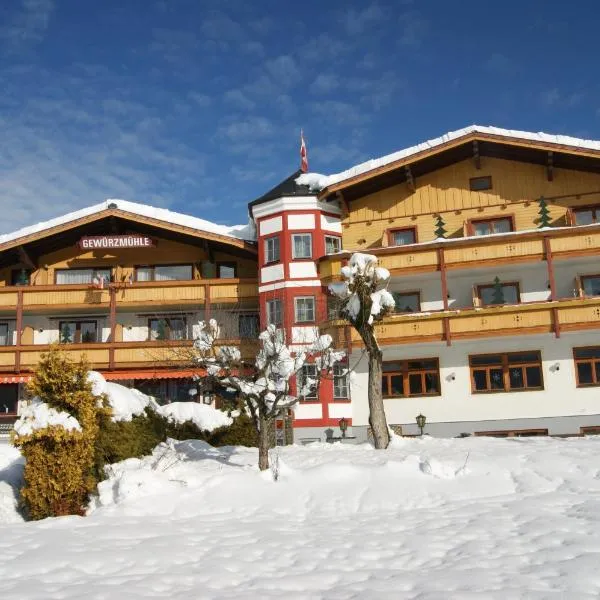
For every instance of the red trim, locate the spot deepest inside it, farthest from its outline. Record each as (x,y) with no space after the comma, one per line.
(319,422)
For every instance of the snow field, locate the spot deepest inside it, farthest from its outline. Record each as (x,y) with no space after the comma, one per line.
(428,518)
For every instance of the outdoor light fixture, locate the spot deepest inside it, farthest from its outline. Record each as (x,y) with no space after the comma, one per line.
(421,419)
(343,423)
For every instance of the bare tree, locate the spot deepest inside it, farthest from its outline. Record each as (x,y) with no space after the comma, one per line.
(364,300)
(264,384)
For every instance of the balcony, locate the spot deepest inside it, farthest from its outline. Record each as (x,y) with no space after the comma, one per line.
(125,355)
(470,323)
(481,251)
(138,294)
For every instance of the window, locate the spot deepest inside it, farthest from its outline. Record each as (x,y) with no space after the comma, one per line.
(333,308)
(587,366)
(306,380)
(274,313)
(406,378)
(518,371)
(499,293)
(489,226)
(82,276)
(77,332)
(226,270)
(9,399)
(20,277)
(340,381)
(591,285)
(402,237)
(164,273)
(248,326)
(167,328)
(407,302)
(302,245)
(332,244)
(478,184)
(4,335)
(586,215)
(305,309)
(272,249)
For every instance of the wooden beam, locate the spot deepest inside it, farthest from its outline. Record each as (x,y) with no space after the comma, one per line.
(550,166)
(409,178)
(550,267)
(113,326)
(207,303)
(344,203)
(25,258)
(556,322)
(19,330)
(447,335)
(476,157)
(444,281)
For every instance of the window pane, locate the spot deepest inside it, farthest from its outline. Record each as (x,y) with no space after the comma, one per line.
(496,379)
(406,303)
(534,377)
(415,365)
(487,295)
(523,357)
(584,217)
(432,383)
(67,333)
(302,246)
(517,380)
(588,352)
(415,383)
(172,272)
(487,359)
(396,385)
(88,333)
(144,274)
(584,373)
(480,183)
(591,286)
(384,386)
(332,245)
(74,276)
(401,238)
(103,274)
(274,312)
(391,366)
(480,379)
(305,309)
(340,381)
(177,329)
(511,294)
(226,271)
(597,371)
(501,226)
(248,326)
(272,249)
(481,228)
(158,329)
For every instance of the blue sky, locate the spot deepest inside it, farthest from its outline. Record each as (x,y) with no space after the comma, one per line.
(197,105)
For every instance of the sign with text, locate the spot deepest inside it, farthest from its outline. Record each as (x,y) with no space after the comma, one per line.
(103,242)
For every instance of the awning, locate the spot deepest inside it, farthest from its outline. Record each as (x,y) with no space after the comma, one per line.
(171,374)
(14,378)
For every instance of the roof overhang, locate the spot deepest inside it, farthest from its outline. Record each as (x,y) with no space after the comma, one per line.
(460,148)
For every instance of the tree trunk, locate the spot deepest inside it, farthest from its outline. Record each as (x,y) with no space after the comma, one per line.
(264,442)
(377,420)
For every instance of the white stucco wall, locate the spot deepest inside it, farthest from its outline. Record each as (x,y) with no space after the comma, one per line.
(269,226)
(308,411)
(332,224)
(303,269)
(271,273)
(296,222)
(456,403)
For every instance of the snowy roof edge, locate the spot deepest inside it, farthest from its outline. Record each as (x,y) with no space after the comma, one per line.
(375,163)
(238,232)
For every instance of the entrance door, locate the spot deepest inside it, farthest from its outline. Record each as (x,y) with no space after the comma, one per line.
(9,395)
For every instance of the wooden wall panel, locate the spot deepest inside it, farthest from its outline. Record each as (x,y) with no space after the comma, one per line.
(516,188)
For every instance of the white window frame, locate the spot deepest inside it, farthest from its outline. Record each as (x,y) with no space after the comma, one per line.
(343,376)
(274,302)
(270,247)
(337,239)
(297,235)
(296,315)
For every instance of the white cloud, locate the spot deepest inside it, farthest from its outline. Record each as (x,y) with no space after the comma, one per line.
(284,71)
(554,98)
(240,130)
(413,28)
(27,25)
(356,21)
(324,83)
(341,113)
(239,99)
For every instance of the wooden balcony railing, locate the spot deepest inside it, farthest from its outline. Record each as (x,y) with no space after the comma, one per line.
(459,253)
(125,355)
(37,298)
(518,319)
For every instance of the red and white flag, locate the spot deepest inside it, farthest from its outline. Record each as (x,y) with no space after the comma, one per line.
(303,154)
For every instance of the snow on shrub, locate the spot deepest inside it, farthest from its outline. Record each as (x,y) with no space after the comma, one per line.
(38,415)
(203,416)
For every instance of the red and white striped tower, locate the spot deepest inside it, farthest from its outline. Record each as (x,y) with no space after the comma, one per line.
(294,229)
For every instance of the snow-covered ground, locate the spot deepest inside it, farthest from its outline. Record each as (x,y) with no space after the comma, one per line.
(428,518)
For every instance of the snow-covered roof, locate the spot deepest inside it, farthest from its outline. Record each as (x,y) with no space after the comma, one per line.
(240,232)
(319,182)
